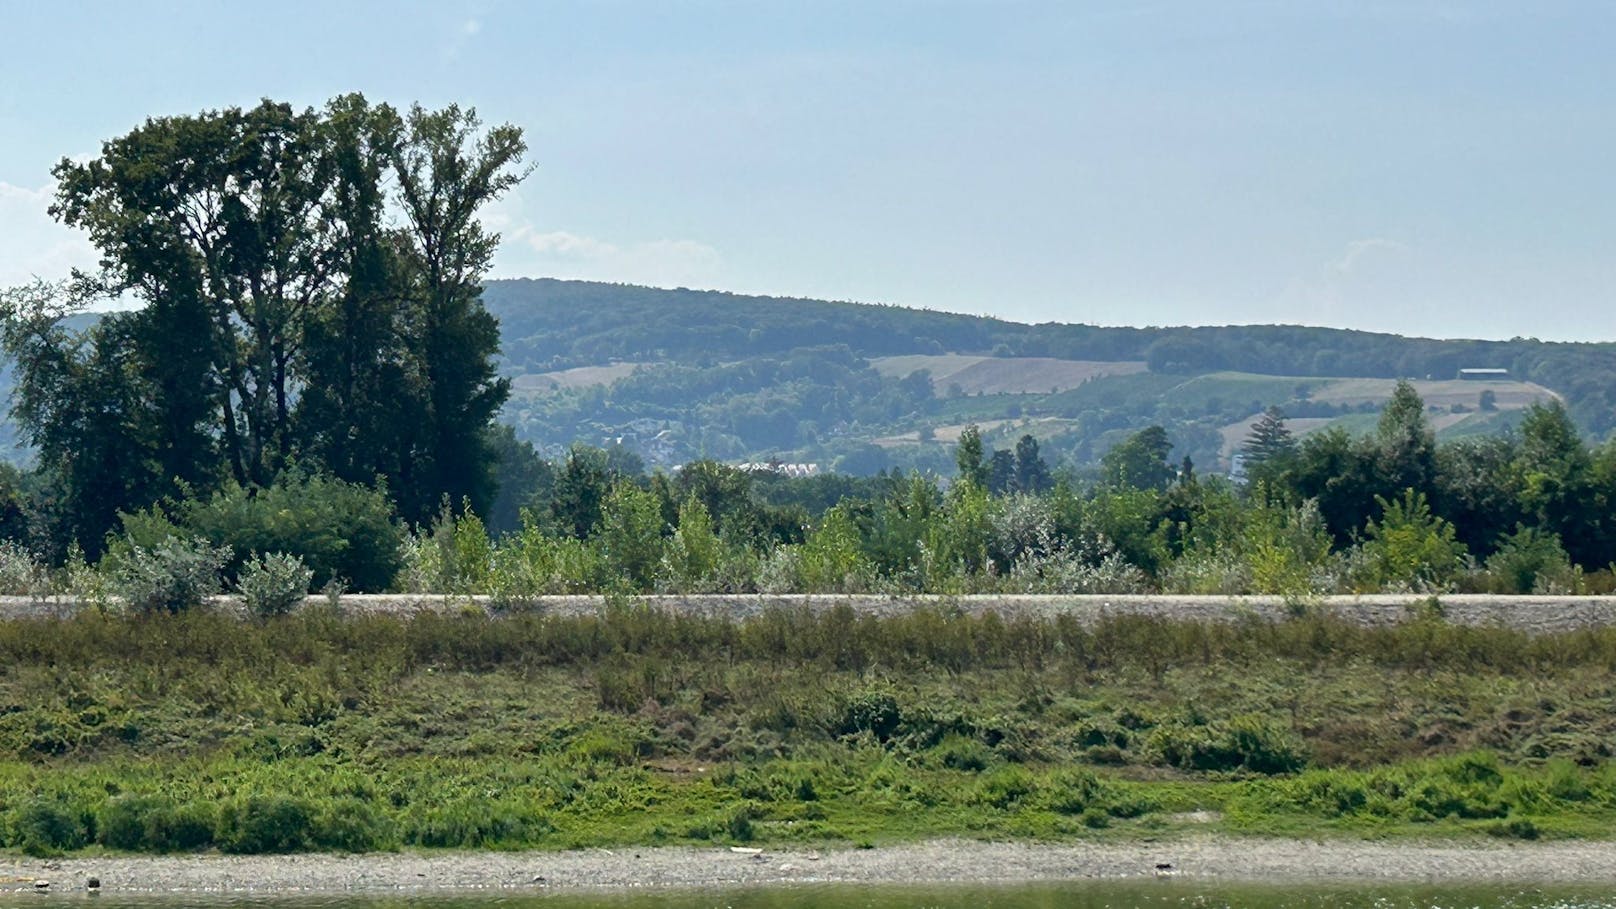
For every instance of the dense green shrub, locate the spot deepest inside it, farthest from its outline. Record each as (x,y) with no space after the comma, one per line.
(122,821)
(266,823)
(1410,547)
(1005,787)
(43,827)
(1530,561)
(339,530)
(631,528)
(154,823)
(1074,791)
(738,824)
(958,752)
(478,824)
(875,712)
(352,825)
(1253,743)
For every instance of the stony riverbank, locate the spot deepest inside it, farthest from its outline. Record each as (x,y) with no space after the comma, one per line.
(1224,859)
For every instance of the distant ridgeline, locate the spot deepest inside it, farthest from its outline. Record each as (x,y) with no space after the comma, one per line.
(679,374)
(674,375)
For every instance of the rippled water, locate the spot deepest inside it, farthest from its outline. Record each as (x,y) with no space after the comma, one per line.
(1068,895)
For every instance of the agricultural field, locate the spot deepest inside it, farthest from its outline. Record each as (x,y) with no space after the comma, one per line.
(1443,393)
(576,377)
(961,374)
(1453,406)
(947,434)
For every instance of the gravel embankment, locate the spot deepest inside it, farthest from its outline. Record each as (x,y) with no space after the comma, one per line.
(1534,614)
(938,862)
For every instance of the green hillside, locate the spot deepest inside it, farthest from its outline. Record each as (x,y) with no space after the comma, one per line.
(674,375)
(678,374)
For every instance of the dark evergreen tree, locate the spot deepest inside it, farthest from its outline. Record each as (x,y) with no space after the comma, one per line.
(1001,472)
(581,488)
(1268,440)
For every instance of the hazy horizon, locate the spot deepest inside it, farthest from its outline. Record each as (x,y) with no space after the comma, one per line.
(1420,168)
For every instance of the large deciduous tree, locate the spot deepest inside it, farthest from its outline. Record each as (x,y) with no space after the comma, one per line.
(311,290)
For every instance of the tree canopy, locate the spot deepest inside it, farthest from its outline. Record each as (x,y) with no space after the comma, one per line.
(310,290)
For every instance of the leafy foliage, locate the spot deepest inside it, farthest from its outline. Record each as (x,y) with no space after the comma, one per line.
(312,289)
(173,576)
(336,529)
(274,584)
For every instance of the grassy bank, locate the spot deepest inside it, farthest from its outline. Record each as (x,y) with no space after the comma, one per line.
(317,730)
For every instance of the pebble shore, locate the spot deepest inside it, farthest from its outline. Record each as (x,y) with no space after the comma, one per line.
(937,862)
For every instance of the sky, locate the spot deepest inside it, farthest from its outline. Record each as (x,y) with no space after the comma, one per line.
(1432,168)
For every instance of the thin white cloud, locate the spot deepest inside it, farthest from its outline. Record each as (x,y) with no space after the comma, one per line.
(460,37)
(1346,287)
(1358,249)
(32,244)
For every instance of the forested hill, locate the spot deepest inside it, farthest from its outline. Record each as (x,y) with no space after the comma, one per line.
(730,375)
(549,324)
(678,374)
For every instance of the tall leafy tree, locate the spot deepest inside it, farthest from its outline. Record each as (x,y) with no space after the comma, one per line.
(85,402)
(287,318)
(1405,445)
(1032,474)
(1556,472)
(969,458)
(1139,461)
(447,169)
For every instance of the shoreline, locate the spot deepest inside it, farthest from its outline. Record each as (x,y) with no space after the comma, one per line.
(940,862)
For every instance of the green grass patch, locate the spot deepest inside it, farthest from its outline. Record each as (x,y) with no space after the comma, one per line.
(174,733)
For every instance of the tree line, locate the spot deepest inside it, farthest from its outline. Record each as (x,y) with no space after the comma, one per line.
(1393,510)
(1327,513)
(305,397)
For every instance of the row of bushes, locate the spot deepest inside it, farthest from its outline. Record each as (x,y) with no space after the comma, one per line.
(273,544)
(261,824)
(1468,787)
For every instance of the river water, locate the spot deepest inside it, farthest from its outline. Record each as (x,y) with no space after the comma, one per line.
(1163,894)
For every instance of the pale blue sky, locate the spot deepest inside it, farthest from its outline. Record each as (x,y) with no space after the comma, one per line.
(1426,168)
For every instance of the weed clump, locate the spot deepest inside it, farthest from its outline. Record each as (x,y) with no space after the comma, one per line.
(173,576)
(274,584)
